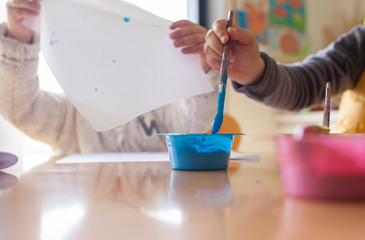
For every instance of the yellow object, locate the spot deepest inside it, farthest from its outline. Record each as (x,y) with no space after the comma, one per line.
(230,125)
(351,113)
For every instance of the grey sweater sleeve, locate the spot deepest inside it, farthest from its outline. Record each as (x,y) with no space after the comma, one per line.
(299,85)
(42,115)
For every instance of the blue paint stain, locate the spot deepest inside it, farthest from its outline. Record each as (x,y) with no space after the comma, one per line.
(53,42)
(96,89)
(126,19)
(84,17)
(114,61)
(199,151)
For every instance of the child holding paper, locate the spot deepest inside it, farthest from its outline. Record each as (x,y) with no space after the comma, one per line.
(51,118)
(298,85)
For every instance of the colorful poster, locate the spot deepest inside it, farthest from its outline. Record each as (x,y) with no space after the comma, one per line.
(280,26)
(289,13)
(287,44)
(253,15)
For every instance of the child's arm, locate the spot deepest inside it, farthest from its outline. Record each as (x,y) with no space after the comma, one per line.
(42,115)
(287,86)
(302,84)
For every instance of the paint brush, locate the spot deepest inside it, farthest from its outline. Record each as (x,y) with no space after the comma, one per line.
(327,106)
(325,128)
(218,119)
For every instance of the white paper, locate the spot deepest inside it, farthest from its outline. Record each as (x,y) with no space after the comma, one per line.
(142,157)
(114,60)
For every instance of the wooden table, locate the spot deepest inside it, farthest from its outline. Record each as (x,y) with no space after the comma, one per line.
(152,201)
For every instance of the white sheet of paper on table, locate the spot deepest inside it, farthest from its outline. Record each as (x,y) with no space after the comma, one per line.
(143,157)
(114,60)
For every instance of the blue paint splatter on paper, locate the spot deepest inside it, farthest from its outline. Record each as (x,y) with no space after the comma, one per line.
(53,42)
(126,19)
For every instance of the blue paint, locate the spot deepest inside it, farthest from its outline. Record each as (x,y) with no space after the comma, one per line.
(53,42)
(114,61)
(84,17)
(96,89)
(126,19)
(218,119)
(199,151)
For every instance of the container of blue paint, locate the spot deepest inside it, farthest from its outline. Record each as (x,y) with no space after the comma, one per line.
(199,151)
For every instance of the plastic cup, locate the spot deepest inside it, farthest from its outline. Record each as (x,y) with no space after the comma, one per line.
(323,166)
(199,151)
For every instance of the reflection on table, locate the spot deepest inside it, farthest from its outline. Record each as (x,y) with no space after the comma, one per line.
(152,201)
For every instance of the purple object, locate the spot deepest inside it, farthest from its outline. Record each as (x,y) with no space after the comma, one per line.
(7,160)
(7,180)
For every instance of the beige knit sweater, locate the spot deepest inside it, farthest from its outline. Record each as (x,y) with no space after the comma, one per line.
(51,118)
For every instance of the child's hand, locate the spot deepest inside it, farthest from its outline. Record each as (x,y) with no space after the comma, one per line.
(191,38)
(18,10)
(245,63)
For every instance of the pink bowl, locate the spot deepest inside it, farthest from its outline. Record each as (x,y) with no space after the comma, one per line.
(323,166)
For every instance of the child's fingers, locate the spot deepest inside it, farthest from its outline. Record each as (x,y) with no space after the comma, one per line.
(220,29)
(20,13)
(241,35)
(186,31)
(180,23)
(213,44)
(212,57)
(24,4)
(213,63)
(194,39)
(193,49)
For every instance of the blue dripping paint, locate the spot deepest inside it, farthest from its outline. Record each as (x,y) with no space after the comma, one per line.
(53,42)
(218,119)
(126,19)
